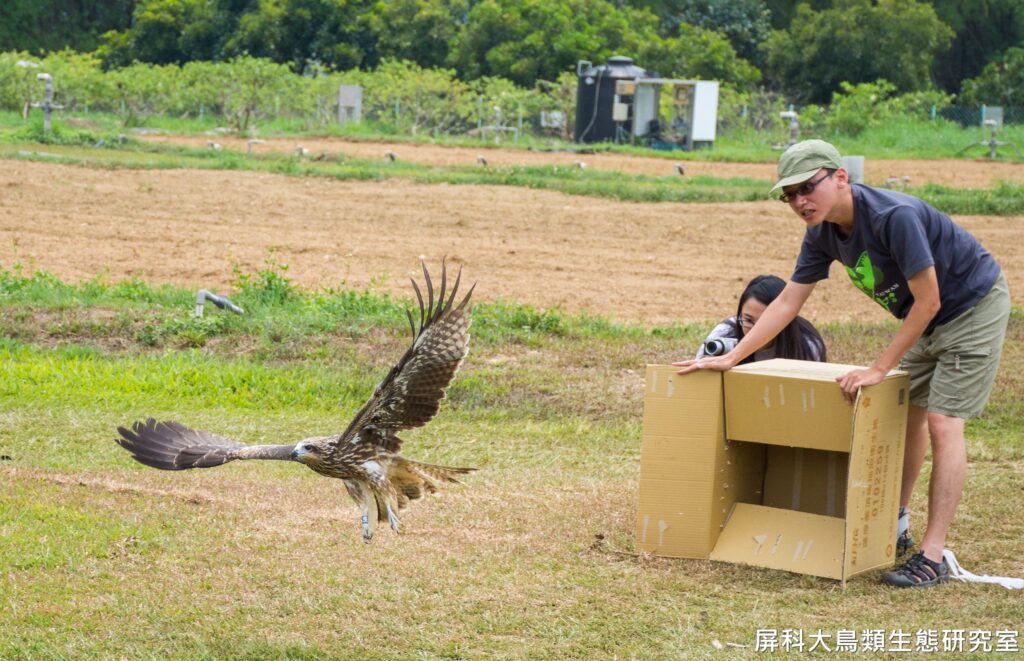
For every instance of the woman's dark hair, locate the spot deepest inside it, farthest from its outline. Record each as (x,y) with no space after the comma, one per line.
(795,340)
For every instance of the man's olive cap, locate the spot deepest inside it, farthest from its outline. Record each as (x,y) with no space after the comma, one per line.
(803,160)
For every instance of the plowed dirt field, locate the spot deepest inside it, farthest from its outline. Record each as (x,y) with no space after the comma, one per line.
(650,263)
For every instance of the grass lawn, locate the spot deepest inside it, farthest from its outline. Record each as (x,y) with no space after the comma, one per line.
(532,557)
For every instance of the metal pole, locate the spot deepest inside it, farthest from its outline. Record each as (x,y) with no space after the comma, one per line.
(47,101)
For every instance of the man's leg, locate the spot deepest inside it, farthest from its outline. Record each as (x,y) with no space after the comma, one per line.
(915,451)
(952,373)
(949,468)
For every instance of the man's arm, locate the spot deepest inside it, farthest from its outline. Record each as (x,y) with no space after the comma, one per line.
(924,285)
(776,316)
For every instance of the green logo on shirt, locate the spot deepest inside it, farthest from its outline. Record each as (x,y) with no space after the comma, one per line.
(866,276)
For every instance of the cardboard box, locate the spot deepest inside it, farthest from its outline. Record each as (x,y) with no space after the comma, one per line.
(768,465)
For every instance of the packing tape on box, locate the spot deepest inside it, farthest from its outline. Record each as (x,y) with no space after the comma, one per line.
(958,573)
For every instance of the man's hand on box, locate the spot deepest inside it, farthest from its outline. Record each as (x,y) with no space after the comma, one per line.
(851,382)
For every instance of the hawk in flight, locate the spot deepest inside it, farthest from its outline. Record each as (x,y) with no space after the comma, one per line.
(366,455)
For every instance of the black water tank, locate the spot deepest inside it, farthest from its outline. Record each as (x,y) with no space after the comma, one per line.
(595,95)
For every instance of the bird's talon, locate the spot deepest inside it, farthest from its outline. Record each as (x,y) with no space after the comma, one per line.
(393,520)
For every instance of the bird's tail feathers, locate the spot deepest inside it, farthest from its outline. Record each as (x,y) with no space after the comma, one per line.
(412,478)
(438,472)
(173,446)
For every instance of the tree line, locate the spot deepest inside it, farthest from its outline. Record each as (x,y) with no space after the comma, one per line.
(804,51)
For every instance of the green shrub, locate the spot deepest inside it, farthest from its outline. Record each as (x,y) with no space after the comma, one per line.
(859,106)
(265,287)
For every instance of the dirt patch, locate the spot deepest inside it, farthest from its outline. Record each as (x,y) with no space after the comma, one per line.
(953,173)
(654,263)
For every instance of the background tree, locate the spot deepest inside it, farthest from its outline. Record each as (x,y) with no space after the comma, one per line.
(420,30)
(745,23)
(18,85)
(816,46)
(895,40)
(141,90)
(983,29)
(781,12)
(51,25)
(252,88)
(1001,82)
(414,99)
(78,80)
(527,40)
(698,53)
(171,32)
(341,34)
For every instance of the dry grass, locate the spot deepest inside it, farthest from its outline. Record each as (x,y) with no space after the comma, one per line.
(531,558)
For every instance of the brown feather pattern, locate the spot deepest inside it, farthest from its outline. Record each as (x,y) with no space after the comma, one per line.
(366,455)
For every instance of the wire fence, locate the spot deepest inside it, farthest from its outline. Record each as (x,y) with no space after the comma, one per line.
(977,115)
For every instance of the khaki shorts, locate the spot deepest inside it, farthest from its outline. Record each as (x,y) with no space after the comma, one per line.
(952,370)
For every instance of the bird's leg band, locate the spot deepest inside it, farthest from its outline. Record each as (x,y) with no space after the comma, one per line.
(367,526)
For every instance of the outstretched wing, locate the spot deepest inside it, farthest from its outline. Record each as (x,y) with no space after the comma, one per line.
(172,446)
(410,395)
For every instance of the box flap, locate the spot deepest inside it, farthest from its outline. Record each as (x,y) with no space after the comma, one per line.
(787,410)
(803,369)
(795,403)
(782,539)
(681,452)
(875,473)
(673,518)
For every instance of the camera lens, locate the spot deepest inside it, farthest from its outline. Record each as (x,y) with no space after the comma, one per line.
(719,346)
(714,348)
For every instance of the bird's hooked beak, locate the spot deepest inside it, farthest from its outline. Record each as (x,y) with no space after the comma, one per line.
(298,452)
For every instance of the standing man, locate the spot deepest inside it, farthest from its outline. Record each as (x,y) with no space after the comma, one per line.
(924,269)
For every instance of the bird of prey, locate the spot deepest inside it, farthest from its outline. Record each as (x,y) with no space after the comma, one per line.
(366,455)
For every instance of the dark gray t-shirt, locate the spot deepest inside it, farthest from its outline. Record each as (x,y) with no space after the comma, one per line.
(894,236)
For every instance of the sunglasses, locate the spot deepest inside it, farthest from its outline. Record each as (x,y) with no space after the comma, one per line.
(804,189)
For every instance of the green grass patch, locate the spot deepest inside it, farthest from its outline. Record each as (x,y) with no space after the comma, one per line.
(896,138)
(80,375)
(117,152)
(1004,200)
(327,348)
(569,180)
(52,535)
(39,304)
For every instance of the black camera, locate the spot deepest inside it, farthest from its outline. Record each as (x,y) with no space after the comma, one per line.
(719,346)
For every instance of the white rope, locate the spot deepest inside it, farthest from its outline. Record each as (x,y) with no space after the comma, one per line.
(958,573)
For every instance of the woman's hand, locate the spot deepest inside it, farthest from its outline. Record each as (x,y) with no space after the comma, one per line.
(717,363)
